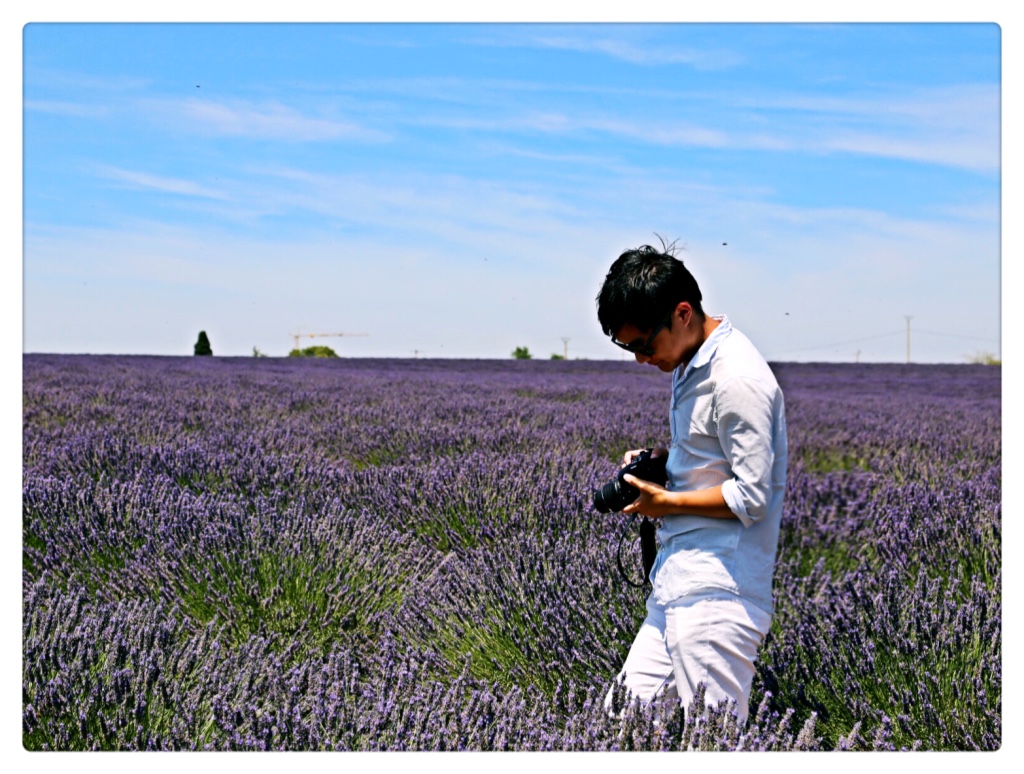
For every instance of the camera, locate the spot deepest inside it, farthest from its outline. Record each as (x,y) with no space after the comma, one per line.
(617,494)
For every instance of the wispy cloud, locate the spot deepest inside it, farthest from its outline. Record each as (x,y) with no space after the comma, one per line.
(953,127)
(962,105)
(669,133)
(449,207)
(676,132)
(145,181)
(81,82)
(956,126)
(261,121)
(950,151)
(638,52)
(644,55)
(64,108)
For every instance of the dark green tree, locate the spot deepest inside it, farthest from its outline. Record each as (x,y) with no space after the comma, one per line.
(203,345)
(521,353)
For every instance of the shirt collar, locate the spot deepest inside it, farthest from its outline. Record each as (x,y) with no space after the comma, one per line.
(709,347)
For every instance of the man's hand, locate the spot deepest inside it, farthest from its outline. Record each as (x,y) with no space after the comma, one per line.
(657,501)
(654,501)
(632,454)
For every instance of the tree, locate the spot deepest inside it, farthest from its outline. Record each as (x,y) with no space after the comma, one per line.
(316,351)
(521,353)
(985,358)
(203,345)
(556,356)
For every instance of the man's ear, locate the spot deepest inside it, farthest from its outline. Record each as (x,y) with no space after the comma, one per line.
(683,311)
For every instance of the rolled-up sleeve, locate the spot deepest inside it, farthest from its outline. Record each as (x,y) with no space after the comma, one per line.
(744,409)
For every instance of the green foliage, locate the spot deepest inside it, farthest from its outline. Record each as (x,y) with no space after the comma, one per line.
(256,352)
(829,460)
(318,350)
(556,356)
(521,353)
(986,358)
(203,345)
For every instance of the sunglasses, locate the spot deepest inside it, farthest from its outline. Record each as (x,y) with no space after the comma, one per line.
(645,347)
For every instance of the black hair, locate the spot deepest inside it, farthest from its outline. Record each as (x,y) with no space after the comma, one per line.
(643,286)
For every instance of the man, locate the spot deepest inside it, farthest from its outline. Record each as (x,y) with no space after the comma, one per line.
(718,516)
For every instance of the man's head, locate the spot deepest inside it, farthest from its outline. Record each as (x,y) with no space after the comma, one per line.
(645,293)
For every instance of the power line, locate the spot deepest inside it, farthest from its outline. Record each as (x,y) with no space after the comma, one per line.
(956,336)
(841,343)
(882,336)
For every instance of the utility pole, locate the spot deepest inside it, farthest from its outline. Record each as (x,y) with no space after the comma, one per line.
(857,358)
(908,318)
(565,342)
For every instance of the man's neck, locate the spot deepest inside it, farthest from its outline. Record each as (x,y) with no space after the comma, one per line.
(706,328)
(710,323)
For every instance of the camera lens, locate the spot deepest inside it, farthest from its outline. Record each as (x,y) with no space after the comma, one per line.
(614,496)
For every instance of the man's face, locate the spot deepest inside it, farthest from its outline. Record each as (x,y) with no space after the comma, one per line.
(670,346)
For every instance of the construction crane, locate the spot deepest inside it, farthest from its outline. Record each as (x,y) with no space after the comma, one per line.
(298,336)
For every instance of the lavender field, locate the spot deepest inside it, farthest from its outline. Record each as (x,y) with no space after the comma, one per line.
(306,554)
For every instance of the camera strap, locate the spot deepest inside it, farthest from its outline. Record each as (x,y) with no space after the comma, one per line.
(648,550)
(648,545)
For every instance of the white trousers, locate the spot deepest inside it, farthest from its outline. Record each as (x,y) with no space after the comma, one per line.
(711,640)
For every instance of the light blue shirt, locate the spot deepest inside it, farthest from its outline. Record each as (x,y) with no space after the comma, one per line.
(728,428)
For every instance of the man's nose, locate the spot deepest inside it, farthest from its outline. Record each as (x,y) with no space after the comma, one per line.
(642,358)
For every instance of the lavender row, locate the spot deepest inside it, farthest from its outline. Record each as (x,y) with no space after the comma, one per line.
(921,657)
(132,676)
(354,417)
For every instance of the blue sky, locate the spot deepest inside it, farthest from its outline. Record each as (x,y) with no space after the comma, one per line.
(458,190)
